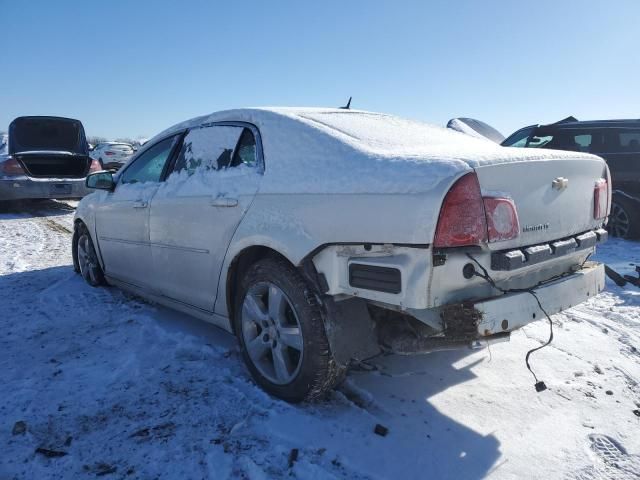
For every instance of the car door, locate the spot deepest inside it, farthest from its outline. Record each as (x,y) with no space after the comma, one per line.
(196,211)
(621,150)
(122,218)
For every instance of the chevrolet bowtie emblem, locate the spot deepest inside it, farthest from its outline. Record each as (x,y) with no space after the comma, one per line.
(560,183)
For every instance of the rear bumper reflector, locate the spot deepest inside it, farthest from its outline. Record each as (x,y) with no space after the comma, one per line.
(518,258)
(371,277)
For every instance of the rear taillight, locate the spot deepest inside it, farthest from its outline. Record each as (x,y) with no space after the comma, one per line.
(11,167)
(109,153)
(502,219)
(601,199)
(95,166)
(466,218)
(461,220)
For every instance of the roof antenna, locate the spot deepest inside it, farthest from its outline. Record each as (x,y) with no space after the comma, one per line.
(347,106)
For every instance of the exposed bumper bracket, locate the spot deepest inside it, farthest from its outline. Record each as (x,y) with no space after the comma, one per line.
(518,258)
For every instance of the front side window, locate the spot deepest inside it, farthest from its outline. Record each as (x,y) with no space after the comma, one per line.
(148,167)
(566,139)
(216,147)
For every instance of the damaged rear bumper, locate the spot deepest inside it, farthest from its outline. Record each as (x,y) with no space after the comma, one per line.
(22,188)
(478,323)
(514,310)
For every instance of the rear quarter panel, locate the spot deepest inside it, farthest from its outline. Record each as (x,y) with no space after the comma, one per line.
(296,225)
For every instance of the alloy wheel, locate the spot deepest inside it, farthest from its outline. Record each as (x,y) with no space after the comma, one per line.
(619,221)
(87,260)
(271,333)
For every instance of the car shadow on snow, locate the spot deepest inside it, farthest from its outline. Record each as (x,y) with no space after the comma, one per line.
(101,340)
(423,441)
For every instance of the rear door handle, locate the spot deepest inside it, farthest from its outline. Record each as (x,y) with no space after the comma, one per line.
(140,204)
(224,202)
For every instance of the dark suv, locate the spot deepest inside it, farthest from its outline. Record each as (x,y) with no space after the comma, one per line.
(617,141)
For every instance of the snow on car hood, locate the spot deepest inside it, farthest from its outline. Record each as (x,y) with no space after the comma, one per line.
(314,150)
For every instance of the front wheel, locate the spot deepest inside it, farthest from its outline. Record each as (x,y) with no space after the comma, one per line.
(281,333)
(86,260)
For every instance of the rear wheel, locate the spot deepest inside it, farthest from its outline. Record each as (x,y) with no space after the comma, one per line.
(281,333)
(86,260)
(624,221)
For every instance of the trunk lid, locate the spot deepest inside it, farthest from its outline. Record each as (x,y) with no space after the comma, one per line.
(47,134)
(554,198)
(53,147)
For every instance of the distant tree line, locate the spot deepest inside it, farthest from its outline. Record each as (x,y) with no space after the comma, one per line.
(96,139)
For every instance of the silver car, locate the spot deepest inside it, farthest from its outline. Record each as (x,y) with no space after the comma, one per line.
(45,157)
(323,237)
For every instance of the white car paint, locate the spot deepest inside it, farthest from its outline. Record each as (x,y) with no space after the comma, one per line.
(112,152)
(335,187)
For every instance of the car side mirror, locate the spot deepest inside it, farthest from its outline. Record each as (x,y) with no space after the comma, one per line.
(101,181)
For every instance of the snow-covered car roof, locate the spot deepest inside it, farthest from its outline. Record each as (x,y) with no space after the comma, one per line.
(342,150)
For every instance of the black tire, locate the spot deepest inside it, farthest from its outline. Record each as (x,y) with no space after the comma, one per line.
(317,372)
(624,220)
(85,259)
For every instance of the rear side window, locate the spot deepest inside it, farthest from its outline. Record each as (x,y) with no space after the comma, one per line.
(245,152)
(630,141)
(216,147)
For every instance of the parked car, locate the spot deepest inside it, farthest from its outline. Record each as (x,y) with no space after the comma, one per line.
(4,144)
(475,128)
(112,155)
(45,157)
(617,141)
(320,237)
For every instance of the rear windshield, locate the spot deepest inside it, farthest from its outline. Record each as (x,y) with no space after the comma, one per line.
(46,134)
(120,146)
(384,133)
(596,140)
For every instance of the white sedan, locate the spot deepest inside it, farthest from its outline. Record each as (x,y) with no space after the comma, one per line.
(321,237)
(112,155)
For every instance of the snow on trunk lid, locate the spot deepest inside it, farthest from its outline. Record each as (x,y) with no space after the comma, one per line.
(547,209)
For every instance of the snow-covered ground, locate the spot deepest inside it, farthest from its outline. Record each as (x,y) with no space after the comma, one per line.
(104,384)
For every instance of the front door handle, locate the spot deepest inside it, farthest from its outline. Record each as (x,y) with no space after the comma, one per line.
(224,202)
(140,204)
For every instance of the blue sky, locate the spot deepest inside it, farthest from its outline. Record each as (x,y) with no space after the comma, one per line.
(129,68)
